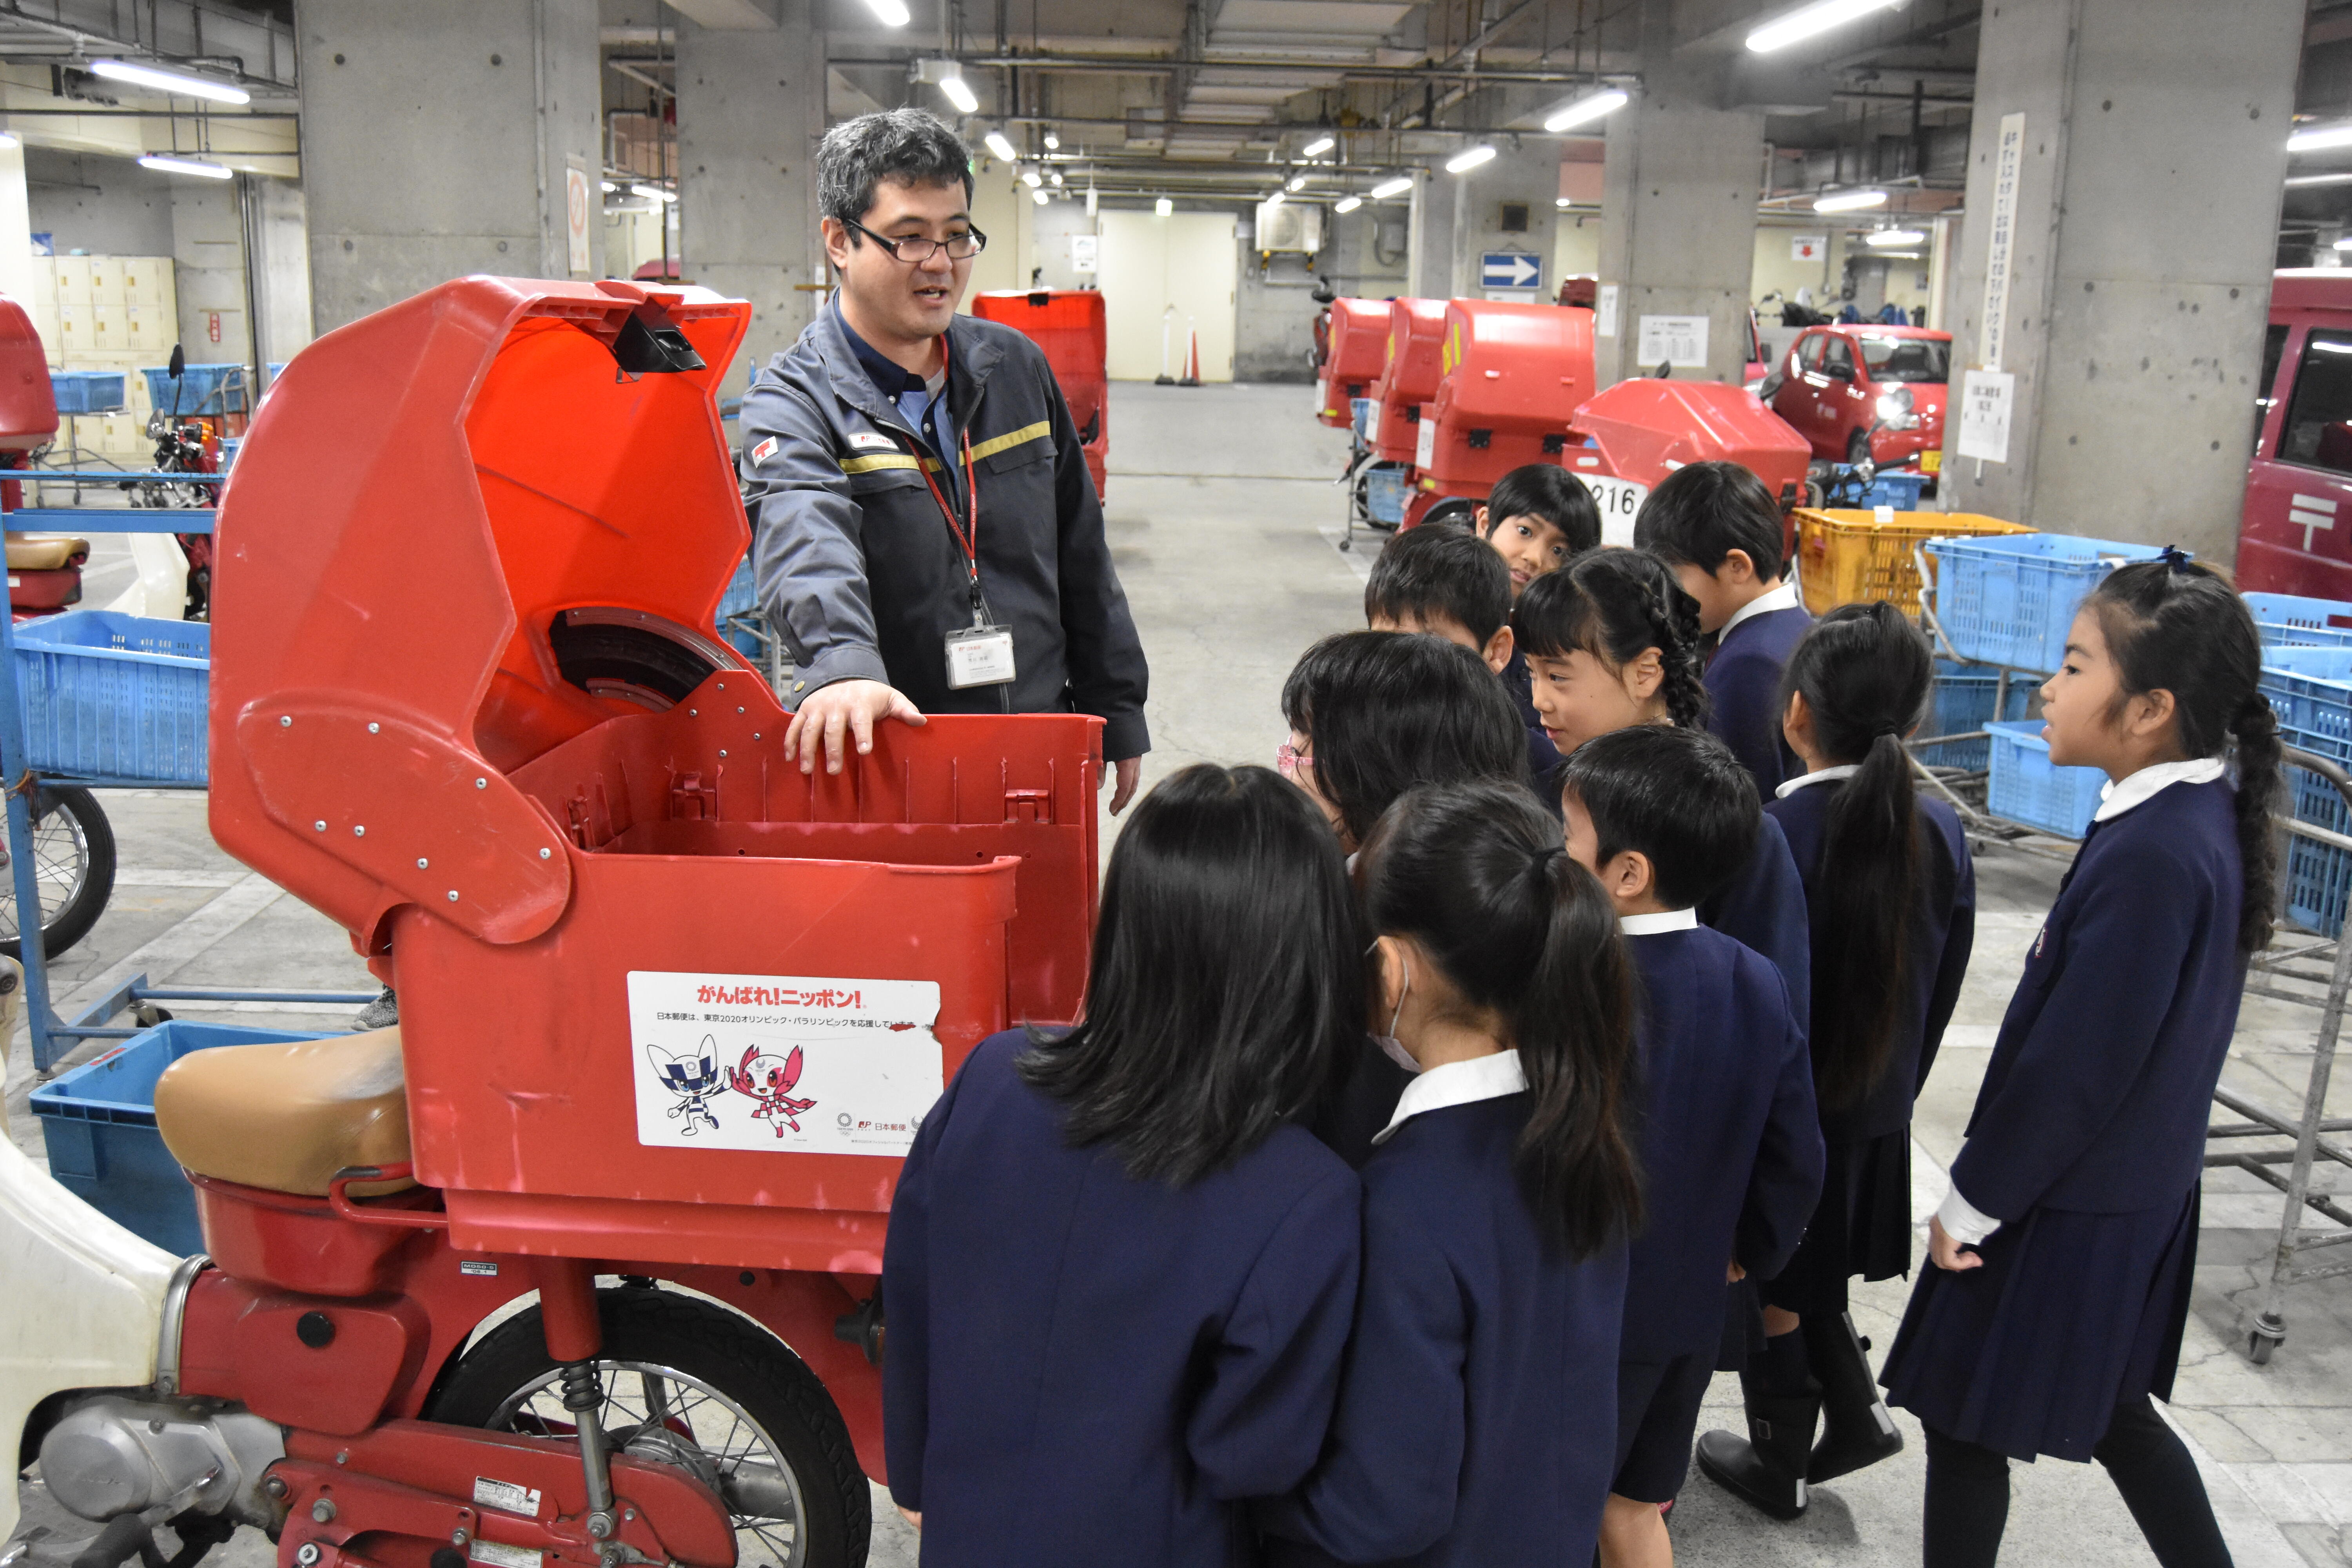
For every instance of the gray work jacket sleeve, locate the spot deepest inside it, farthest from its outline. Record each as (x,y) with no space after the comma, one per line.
(809,536)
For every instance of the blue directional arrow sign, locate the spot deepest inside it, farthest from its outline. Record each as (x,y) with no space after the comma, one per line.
(1510,269)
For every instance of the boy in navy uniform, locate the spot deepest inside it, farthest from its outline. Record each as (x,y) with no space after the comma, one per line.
(1717,526)
(1538,519)
(1729,1137)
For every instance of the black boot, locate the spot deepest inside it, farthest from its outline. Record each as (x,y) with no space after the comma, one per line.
(1856,1430)
(1767,1467)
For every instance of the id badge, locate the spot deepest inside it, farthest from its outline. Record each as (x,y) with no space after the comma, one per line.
(979,657)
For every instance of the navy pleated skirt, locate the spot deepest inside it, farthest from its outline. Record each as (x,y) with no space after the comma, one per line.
(1861,1228)
(2071,1315)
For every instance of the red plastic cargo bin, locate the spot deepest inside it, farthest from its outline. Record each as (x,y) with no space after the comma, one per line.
(1512,376)
(1408,378)
(1358,348)
(1070,326)
(666,1002)
(1645,429)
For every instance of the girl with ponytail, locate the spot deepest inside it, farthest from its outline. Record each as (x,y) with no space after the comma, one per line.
(2064,1248)
(1477,1416)
(1892,896)
(1612,641)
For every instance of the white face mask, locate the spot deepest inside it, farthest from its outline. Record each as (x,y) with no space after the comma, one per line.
(1390,1046)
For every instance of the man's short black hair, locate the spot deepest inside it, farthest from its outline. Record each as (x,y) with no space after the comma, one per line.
(1703,512)
(910,145)
(1550,493)
(1423,573)
(1677,797)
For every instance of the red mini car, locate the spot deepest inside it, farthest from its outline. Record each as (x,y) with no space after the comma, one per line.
(1866,390)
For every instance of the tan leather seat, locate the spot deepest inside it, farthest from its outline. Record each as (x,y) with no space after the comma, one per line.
(46,552)
(287,1115)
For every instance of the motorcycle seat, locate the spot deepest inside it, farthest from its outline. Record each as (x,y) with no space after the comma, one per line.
(46,552)
(286,1115)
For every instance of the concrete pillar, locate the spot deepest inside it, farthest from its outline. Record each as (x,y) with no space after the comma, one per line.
(16,231)
(438,138)
(1679,188)
(2140,237)
(1523,177)
(750,107)
(1429,272)
(208,256)
(277,249)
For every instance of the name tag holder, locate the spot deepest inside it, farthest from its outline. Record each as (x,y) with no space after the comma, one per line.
(981,654)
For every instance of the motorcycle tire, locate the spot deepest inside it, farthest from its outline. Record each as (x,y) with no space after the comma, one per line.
(72,844)
(722,1368)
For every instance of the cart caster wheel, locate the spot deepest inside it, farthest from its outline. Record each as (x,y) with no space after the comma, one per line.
(1347,544)
(149,1015)
(2264,1337)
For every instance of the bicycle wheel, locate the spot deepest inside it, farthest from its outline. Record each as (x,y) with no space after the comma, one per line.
(73,860)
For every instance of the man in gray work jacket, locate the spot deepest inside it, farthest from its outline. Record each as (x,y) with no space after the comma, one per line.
(928,539)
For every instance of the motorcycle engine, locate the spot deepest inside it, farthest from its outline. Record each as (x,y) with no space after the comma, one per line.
(111,1456)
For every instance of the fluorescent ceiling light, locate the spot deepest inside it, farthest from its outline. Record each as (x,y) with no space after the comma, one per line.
(609,187)
(653,192)
(1162,207)
(1893,237)
(1316,148)
(1053,143)
(175,82)
(1041,196)
(2345,244)
(1849,200)
(1056,178)
(1348,204)
(1275,200)
(1807,20)
(1296,183)
(185,166)
(9,138)
(2316,138)
(1469,158)
(1031,178)
(2321,179)
(959,92)
(1585,110)
(889,12)
(996,144)
(1395,187)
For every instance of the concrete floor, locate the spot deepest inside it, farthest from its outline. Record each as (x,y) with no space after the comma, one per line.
(1224,521)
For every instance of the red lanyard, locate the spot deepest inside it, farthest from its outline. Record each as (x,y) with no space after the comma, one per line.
(966,536)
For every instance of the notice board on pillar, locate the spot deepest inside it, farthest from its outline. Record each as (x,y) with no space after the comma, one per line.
(1677,340)
(1987,396)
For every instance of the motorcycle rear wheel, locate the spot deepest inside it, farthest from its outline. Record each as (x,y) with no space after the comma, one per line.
(73,859)
(691,1384)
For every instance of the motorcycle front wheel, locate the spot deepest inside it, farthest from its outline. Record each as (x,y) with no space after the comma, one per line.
(73,865)
(691,1384)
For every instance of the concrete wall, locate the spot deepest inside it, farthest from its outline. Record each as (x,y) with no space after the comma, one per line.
(1575,249)
(2147,202)
(280,228)
(1527,174)
(1274,314)
(208,256)
(107,206)
(1368,253)
(435,136)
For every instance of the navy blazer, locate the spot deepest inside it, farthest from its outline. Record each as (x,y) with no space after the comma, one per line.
(1743,683)
(1477,1423)
(2101,1082)
(1084,1368)
(1730,1142)
(1763,906)
(1543,757)
(1943,933)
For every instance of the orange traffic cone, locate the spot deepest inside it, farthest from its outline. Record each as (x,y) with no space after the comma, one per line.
(1191,356)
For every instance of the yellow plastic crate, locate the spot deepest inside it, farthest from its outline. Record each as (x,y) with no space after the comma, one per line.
(1851,557)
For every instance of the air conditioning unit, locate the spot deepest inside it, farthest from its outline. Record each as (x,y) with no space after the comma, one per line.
(1289,226)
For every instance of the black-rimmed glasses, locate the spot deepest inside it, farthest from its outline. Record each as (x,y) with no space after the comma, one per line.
(916,250)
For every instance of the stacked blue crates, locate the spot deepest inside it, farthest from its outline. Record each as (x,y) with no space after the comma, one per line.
(1962,702)
(110,696)
(2009,600)
(2311,690)
(90,391)
(2022,786)
(2289,620)
(742,600)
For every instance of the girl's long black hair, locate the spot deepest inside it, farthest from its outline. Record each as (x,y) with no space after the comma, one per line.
(1476,875)
(1864,674)
(1616,604)
(2177,626)
(1227,980)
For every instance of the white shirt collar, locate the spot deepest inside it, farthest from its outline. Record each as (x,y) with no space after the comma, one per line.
(1784,597)
(1819,775)
(2119,796)
(1457,1083)
(1662,920)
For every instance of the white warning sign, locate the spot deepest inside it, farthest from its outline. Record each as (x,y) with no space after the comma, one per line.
(796,1064)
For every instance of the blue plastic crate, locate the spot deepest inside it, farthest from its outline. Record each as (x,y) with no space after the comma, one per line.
(2311,690)
(98,1121)
(2024,787)
(115,697)
(1360,410)
(90,391)
(197,388)
(2010,599)
(1385,493)
(1963,701)
(1888,487)
(742,599)
(2288,620)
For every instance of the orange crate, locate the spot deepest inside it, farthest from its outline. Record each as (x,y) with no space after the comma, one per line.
(1851,557)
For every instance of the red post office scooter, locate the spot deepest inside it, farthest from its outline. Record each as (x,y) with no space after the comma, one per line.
(579,1267)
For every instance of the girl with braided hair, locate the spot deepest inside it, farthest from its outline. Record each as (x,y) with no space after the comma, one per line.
(1892,893)
(1614,641)
(2064,1248)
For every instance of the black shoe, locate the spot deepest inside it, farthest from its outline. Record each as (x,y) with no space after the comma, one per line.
(1856,1430)
(1766,1468)
(382,1013)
